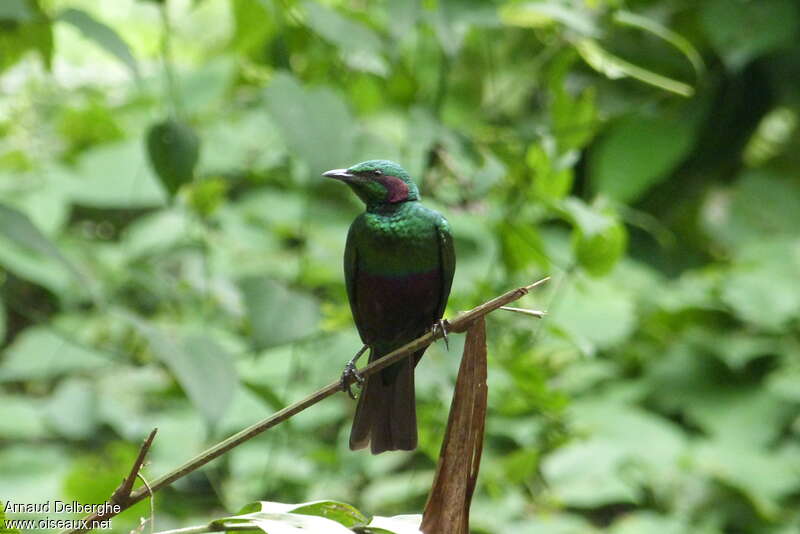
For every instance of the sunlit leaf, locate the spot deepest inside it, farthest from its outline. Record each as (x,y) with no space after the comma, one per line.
(103,35)
(360,46)
(25,27)
(542,14)
(627,18)
(614,67)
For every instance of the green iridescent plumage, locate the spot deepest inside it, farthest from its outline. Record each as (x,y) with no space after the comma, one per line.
(399,263)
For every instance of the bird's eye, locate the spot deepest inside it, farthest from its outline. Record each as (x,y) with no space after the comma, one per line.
(377,172)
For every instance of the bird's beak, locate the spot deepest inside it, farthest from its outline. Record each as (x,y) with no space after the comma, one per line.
(340,174)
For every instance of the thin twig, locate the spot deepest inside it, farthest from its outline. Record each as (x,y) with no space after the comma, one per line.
(460,324)
(525,311)
(152,503)
(122,494)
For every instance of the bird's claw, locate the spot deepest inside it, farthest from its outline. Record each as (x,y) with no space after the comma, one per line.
(442,325)
(350,370)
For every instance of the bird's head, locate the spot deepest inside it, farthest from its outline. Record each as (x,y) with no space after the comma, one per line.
(378,182)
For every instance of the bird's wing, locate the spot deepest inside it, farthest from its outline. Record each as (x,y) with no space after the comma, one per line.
(351,272)
(447,263)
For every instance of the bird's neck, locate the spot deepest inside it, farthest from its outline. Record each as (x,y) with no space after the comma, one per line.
(387,208)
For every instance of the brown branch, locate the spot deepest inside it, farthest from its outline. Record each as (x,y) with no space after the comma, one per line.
(460,324)
(122,494)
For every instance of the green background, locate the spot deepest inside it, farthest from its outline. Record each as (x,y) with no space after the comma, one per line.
(645,153)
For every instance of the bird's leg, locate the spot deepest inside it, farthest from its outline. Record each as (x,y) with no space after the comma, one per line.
(350,370)
(442,325)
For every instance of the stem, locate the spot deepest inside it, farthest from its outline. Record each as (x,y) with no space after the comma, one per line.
(459,324)
(166,58)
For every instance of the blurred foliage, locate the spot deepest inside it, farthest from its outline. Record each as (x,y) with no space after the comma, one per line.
(644,152)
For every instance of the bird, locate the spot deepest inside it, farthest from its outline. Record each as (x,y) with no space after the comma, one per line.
(399,263)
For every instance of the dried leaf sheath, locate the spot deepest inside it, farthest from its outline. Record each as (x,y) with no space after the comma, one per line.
(447,509)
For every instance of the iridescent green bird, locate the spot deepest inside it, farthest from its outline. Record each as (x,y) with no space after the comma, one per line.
(399,263)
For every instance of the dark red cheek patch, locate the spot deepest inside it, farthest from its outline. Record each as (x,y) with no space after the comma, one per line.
(396,189)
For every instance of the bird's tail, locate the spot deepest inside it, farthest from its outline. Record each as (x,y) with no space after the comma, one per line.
(386,414)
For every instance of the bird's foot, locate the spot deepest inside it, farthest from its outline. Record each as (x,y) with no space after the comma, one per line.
(441,325)
(351,371)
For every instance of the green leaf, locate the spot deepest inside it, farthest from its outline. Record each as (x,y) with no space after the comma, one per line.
(594,313)
(279,518)
(587,474)
(599,253)
(598,238)
(764,477)
(30,254)
(626,18)
(21,418)
(342,513)
(614,67)
(103,35)
(72,409)
(650,522)
(4,529)
(204,369)
(111,176)
(543,14)
(553,523)
(552,180)
(326,138)
(399,524)
(360,46)
(742,30)
(174,150)
(762,206)
(16,10)
(3,323)
(638,152)
(17,36)
(253,24)
(278,314)
(38,353)
(34,471)
(756,287)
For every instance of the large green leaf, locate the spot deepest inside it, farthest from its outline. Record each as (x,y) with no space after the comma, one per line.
(3,321)
(201,365)
(174,149)
(544,14)
(614,67)
(278,314)
(21,418)
(360,46)
(72,410)
(638,152)
(103,35)
(39,353)
(326,137)
(28,253)
(111,176)
(742,30)
(25,26)
(16,10)
(277,518)
(595,314)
